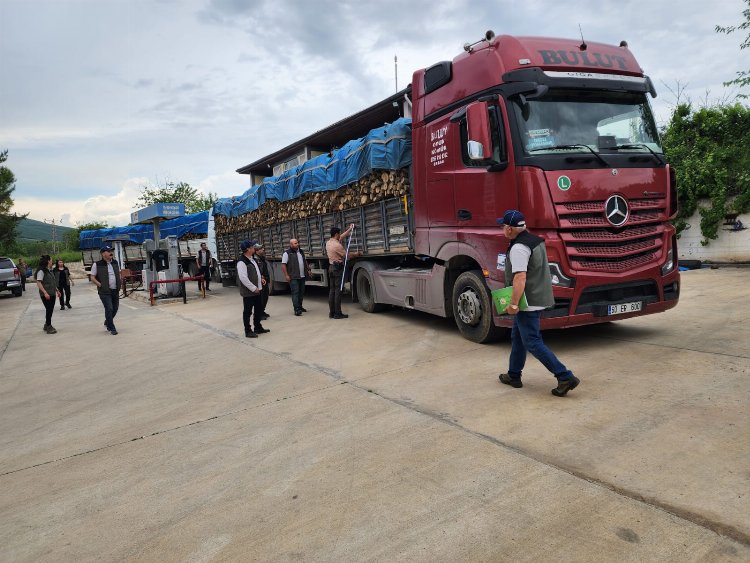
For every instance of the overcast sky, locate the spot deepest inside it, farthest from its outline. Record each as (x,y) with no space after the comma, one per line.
(100,97)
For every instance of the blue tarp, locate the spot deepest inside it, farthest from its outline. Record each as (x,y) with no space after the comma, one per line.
(195,224)
(384,148)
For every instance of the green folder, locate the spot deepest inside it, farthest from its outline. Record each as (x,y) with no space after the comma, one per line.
(501,298)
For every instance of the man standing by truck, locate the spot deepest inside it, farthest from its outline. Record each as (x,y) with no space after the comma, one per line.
(527,268)
(250,283)
(295,268)
(260,258)
(336,260)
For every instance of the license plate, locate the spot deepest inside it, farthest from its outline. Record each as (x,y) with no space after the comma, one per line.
(622,308)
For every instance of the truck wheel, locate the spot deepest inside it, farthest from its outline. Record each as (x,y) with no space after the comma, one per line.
(365,293)
(472,308)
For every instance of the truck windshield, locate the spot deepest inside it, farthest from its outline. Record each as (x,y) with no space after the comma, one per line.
(586,121)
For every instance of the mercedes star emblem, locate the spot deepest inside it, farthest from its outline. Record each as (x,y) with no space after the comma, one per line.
(616,209)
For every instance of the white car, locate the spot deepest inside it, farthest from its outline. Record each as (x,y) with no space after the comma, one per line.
(10,277)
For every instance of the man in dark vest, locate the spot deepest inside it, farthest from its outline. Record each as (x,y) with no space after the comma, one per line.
(203,261)
(105,274)
(250,283)
(260,258)
(527,269)
(295,268)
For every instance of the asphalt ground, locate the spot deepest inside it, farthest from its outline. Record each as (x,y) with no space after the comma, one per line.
(382,437)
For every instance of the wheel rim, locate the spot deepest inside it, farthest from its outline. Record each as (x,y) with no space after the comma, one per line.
(469,307)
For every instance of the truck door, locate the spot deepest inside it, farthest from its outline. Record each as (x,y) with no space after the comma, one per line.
(441,141)
(485,182)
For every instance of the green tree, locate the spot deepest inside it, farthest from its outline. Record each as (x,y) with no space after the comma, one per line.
(8,221)
(743,76)
(709,150)
(180,192)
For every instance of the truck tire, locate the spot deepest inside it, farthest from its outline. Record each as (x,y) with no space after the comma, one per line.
(365,292)
(472,308)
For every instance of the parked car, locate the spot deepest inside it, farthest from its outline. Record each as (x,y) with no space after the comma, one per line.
(10,277)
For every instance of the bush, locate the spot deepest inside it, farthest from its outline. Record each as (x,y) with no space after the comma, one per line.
(708,149)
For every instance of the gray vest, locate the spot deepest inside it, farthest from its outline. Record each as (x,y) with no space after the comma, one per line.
(49,282)
(538,279)
(252,276)
(292,267)
(102,274)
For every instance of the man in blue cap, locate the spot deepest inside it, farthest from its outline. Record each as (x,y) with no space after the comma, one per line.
(527,269)
(250,282)
(105,274)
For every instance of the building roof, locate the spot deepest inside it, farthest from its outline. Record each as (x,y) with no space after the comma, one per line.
(335,135)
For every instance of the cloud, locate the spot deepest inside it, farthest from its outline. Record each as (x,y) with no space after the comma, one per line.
(112,209)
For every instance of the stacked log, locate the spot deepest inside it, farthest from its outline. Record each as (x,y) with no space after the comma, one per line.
(379,185)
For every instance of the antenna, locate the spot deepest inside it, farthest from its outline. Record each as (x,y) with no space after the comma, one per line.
(583,45)
(395,70)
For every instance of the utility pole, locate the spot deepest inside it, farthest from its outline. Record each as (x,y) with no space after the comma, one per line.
(395,69)
(54,234)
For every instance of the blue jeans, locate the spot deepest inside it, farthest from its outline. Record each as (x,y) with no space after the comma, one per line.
(526,337)
(111,302)
(298,292)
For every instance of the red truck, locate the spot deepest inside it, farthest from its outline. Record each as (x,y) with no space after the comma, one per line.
(562,131)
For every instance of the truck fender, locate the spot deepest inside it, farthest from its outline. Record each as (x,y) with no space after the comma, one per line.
(369,267)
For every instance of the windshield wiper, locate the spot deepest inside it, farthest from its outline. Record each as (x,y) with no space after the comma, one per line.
(659,159)
(592,151)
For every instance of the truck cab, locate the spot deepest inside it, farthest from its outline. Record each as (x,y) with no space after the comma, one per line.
(563,132)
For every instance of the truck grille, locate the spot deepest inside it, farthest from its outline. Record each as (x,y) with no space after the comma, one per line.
(593,244)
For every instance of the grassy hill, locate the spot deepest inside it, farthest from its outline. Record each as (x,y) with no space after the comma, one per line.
(30,230)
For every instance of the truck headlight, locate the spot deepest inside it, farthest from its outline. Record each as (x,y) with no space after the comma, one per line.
(669,264)
(558,278)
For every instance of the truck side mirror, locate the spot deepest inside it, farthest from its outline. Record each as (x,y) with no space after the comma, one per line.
(479,146)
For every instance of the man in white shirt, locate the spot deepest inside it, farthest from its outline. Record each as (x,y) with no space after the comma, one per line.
(527,270)
(295,268)
(105,274)
(250,283)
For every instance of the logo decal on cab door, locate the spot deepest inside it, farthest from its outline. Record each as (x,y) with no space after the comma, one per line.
(564,183)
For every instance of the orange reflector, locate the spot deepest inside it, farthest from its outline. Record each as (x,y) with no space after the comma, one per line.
(486,273)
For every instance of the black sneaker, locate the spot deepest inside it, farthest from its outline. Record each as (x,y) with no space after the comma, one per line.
(265,316)
(68,306)
(261,330)
(303,309)
(330,315)
(565,385)
(113,332)
(512,381)
(340,316)
(250,334)
(62,308)
(298,313)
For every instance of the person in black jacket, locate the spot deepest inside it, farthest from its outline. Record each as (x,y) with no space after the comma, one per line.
(260,258)
(64,281)
(46,282)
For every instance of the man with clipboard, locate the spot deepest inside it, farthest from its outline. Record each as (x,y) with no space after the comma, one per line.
(527,268)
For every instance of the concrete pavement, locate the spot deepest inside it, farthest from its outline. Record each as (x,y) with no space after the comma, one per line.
(380,437)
